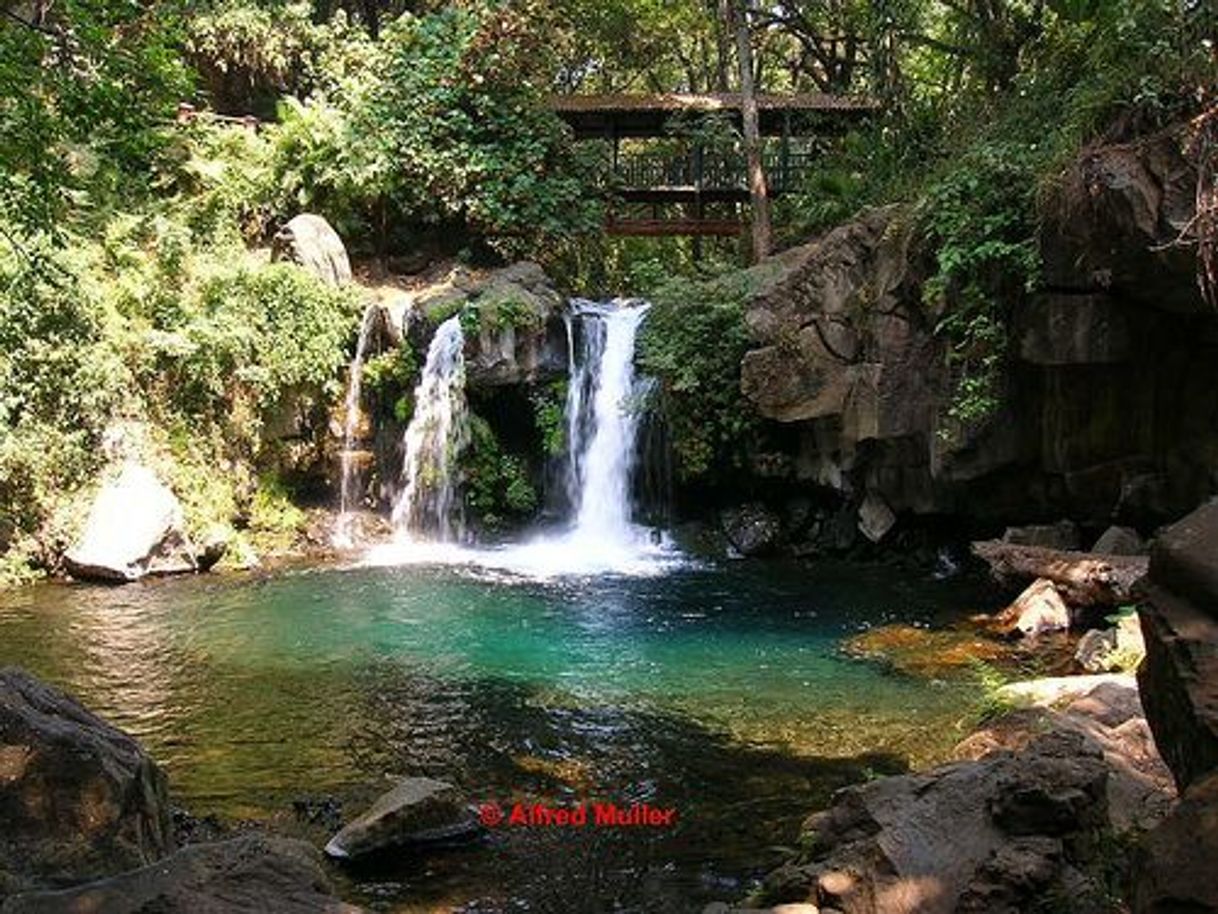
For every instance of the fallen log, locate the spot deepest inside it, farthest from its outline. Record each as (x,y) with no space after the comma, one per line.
(1082,578)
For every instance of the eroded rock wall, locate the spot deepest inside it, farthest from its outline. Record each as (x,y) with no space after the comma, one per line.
(1107,409)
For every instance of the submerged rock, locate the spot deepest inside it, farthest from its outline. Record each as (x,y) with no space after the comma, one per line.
(310,241)
(79,799)
(135,528)
(247,875)
(925,652)
(416,811)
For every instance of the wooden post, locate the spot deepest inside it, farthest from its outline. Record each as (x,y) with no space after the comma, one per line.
(758,196)
(784,182)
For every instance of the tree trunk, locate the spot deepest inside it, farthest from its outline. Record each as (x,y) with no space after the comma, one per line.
(1084,579)
(758,197)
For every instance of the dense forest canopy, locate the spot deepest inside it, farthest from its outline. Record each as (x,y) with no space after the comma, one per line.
(136,290)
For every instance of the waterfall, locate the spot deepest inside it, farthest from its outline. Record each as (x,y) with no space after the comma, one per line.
(602,421)
(602,424)
(347,463)
(428,506)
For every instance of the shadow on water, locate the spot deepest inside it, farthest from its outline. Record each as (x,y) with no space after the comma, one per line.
(739,806)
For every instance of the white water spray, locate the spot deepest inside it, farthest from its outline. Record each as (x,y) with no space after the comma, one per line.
(602,430)
(429,506)
(602,423)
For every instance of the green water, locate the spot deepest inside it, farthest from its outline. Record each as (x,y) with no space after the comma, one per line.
(716,690)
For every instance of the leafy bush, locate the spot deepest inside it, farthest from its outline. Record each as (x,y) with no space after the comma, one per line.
(497,486)
(693,340)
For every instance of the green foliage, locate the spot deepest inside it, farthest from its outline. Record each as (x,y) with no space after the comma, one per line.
(390,377)
(494,312)
(497,486)
(458,133)
(549,415)
(82,90)
(693,340)
(980,221)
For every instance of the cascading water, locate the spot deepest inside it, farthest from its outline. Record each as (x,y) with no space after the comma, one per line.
(602,424)
(428,506)
(602,431)
(347,462)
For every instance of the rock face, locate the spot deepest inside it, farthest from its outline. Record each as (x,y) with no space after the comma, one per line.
(1179,679)
(310,241)
(416,811)
(520,335)
(1174,870)
(135,527)
(79,799)
(847,357)
(997,833)
(247,875)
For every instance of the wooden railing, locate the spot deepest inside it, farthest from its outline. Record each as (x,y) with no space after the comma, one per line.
(708,172)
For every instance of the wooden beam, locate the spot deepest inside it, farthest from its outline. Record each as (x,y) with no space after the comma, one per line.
(723,228)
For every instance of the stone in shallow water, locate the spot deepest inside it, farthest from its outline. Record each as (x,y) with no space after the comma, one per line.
(79,799)
(247,875)
(416,811)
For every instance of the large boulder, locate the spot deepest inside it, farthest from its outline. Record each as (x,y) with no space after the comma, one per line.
(135,527)
(79,799)
(416,811)
(752,529)
(1174,869)
(515,333)
(246,875)
(310,241)
(849,350)
(1179,679)
(987,836)
(998,832)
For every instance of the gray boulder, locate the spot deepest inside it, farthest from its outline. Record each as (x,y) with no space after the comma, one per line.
(1062,535)
(875,517)
(247,875)
(997,832)
(1174,868)
(752,529)
(135,527)
(416,811)
(310,241)
(79,799)
(1119,541)
(1179,678)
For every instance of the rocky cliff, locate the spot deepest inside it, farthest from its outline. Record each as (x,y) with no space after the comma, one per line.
(1107,412)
